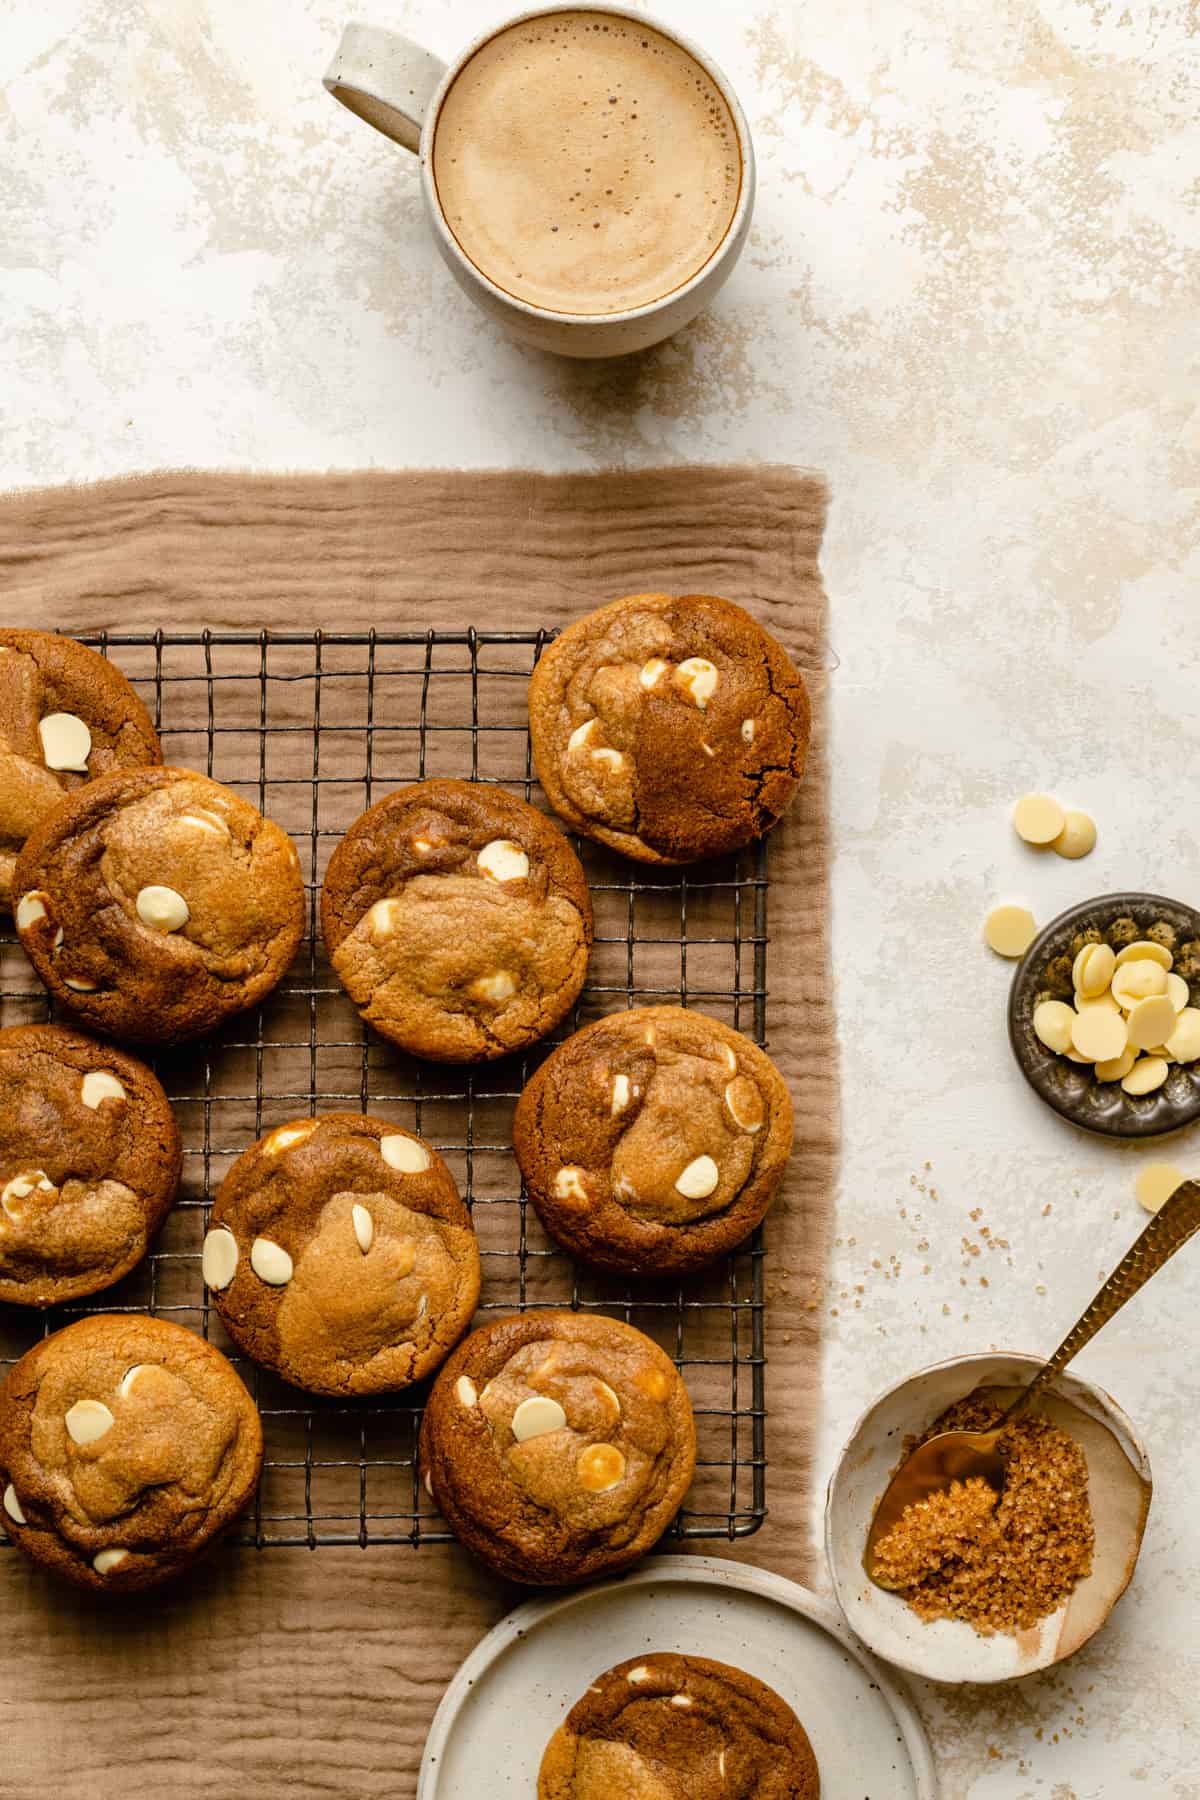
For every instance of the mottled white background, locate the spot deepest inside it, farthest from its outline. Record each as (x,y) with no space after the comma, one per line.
(971,299)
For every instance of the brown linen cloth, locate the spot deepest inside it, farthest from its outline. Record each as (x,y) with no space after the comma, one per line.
(317,1674)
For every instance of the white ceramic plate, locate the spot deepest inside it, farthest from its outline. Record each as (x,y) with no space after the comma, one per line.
(513,1691)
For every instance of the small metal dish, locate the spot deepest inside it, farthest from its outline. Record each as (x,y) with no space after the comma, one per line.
(1071,1088)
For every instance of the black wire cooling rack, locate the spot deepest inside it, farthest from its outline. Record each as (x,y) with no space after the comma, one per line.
(313,727)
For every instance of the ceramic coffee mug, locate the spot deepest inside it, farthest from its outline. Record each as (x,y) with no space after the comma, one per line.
(586,221)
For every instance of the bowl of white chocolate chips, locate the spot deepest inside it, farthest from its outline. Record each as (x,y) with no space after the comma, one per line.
(1104,1015)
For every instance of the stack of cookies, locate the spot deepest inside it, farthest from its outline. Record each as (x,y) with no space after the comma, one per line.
(154,903)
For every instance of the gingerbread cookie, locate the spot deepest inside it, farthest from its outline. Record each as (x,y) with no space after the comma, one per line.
(155,903)
(89,1164)
(652,1141)
(66,716)
(670,1727)
(670,729)
(126,1445)
(340,1255)
(458,920)
(558,1445)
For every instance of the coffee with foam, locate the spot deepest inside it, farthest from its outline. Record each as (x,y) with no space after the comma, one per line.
(586,164)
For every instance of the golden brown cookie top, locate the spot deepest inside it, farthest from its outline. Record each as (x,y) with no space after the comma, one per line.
(558,1445)
(89,1163)
(156,902)
(340,1254)
(126,1444)
(458,920)
(669,728)
(652,1141)
(66,716)
(669,1727)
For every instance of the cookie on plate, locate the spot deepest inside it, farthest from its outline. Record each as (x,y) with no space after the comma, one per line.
(89,1163)
(668,728)
(66,715)
(652,1141)
(665,1727)
(126,1445)
(458,920)
(154,903)
(340,1255)
(558,1446)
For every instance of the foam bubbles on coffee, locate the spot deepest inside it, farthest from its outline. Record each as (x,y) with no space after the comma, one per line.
(585,163)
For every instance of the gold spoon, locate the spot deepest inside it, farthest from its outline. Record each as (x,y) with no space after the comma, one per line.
(960,1455)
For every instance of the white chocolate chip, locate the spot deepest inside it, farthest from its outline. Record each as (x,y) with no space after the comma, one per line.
(161,908)
(721,1765)
(1092,970)
(202,819)
(130,1376)
(652,672)
(747,731)
(1009,930)
(99,1085)
(1179,991)
(464,1387)
(1156,1183)
(1184,1041)
(407,1154)
(1038,818)
(219,1258)
(640,1674)
(494,988)
(21,1186)
(1052,1021)
(1152,1021)
(422,1309)
(1098,1034)
(284,1136)
(698,678)
(423,846)
(609,1395)
(1115,1068)
(569,1183)
(681,1700)
(699,1178)
(270,1262)
(503,860)
(381,919)
(364,1227)
(88,1420)
(707,748)
(620,1094)
(66,742)
(1077,837)
(1138,980)
(79,984)
(611,758)
(730,1060)
(105,1560)
(536,1416)
(745,1104)
(1145,950)
(1147,1074)
(582,734)
(30,908)
(649,1036)
(12,1505)
(600,1468)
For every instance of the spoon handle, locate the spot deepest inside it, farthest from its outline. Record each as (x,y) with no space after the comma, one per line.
(1167,1232)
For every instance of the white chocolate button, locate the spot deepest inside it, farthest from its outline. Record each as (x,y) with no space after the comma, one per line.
(536,1416)
(88,1420)
(612,1399)
(130,1376)
(600,1468)
(99,1085)
(1179,991)
(106,1560)
(464,1387)
(652,672)
(1152,1021)
(698,678)
(364,1227)
(423,845)
(707,748)
(729,1059)
(1093,970)
(1135,981)
(681,1700)
(1038,818)
(219,1258)
(640,1674)
(620,1094)
(745,1104)
(270,1262)
(1184,1041)
(1009,930)
(79,984)
(612,759)
(1116,1068)
(66,742)
(1077,837)
(381,919)
(503,860)
(202,819)
(30,908)
(1098,1033)
(699,1179)
(493,988)
(569,1184)
(407,1154)
(1145,950)
(21,1186)
(582,734)
(1148,1073)
(1156,1183)
(284,1136)
(161,908)
(1052,1021)
(12,1505)
(747,731)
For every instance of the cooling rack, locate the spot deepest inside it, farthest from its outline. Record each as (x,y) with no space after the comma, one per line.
(313,727)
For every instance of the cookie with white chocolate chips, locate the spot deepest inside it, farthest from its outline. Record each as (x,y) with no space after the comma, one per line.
(89,1164)
(670,1727)
(66,716)
(558,1446)
(340,1254)
(669,728)
(155,903)
(458,920)
(126,1445)
(653,1141)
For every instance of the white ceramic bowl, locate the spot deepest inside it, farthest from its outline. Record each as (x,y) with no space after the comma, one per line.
(1119,1487)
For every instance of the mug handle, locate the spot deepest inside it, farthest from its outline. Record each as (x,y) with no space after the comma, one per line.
(386,79)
